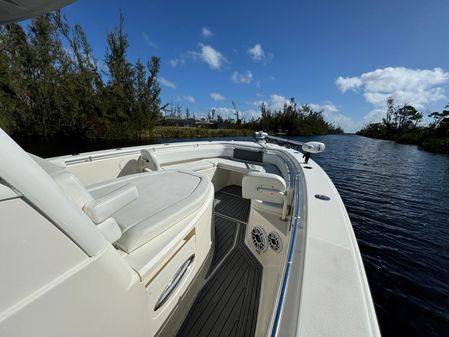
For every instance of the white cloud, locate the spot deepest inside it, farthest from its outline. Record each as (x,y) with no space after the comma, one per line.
(250,113)
(147,40)
(224,112)
(374,115)
(327,107)
(275,103)
(418,87)
(212,57)
(166,83)
(343,121)
(412,86)
(217,96)
(332,115)
(206,32)
(180,60)
(246,77)
(346,83)
(207,54)
(256,53)
(189,98)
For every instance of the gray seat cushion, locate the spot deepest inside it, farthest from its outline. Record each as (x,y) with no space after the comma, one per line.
(164,198)
(224,163)
(196,165)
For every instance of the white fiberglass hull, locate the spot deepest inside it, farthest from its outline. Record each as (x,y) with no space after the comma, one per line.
(82,259)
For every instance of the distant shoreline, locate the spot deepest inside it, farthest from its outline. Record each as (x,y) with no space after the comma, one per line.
(434,145)
(164,132)
(59,145)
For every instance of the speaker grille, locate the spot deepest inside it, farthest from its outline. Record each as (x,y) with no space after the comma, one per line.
(259,238)
(275,242)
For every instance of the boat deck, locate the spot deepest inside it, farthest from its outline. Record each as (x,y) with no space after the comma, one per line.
(228,303)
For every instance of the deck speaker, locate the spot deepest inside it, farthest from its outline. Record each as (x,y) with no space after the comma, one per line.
(259,238)
(275,242)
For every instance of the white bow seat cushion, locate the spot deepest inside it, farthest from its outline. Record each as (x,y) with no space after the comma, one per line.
(164,198)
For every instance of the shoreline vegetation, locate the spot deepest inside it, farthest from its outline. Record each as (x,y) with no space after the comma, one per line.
(168,132)
(53,146)
(52,87)
(401,124)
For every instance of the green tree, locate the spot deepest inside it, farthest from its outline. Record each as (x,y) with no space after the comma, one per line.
(79,82)
(154,90)
(440,124)
(47,89)
(12,81)
(294,120)
(120,87)
(41,67)
(408,117)
(142,105)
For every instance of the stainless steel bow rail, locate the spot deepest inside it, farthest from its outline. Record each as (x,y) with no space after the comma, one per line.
(284,141)
(307,147)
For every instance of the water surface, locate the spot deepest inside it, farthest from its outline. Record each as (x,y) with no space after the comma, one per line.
(397,197)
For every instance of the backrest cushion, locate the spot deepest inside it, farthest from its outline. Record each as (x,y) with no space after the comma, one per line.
(263,186)
(72,187)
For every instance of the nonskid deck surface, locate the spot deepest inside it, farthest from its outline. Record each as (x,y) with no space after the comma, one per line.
(229,203)
(225,239)
(228,303)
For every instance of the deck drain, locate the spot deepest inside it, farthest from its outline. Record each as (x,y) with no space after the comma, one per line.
(322,197)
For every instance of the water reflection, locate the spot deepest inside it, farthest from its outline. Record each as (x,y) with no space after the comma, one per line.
(397,198)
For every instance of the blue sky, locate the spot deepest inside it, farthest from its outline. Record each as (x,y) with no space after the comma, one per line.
(344,57)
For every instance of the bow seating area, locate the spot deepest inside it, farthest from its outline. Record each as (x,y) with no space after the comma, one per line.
(155,207)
